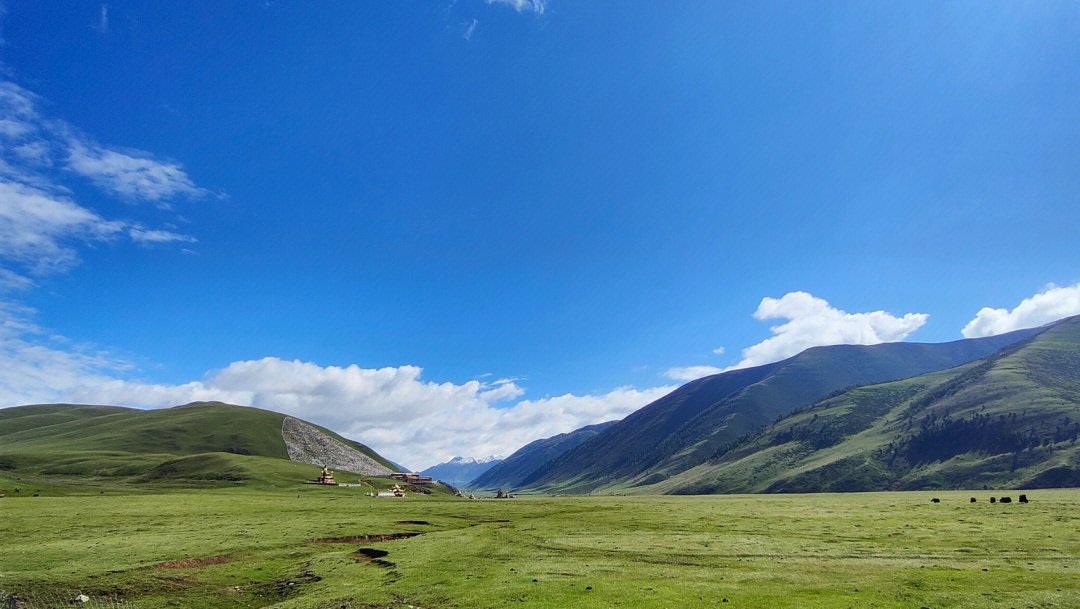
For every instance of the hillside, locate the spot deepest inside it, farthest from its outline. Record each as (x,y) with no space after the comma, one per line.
(460,471)
(1011,420)
(515,469)
(688,426)
(199,442)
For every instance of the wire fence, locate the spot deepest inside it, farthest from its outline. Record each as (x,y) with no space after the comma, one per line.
(59,600)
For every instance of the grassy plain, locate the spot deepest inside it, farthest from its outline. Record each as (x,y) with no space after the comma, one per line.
(251,548)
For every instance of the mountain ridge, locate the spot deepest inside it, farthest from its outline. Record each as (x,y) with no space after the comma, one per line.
(1011,420)
(516,468)
(687,426)
(459,471)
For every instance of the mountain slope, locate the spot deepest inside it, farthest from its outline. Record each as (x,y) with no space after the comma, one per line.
(78,441)
(689,425)
(515,469)
(460,471)
(1011,420)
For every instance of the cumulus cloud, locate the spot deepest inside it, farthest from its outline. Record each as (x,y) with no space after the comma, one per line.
(396,411)
(535,6)
(812,322)
(690,373)
(718,351)
(1051,304)
(41,224)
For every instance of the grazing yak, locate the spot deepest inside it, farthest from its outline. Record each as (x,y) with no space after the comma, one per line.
(1023,499)
(1006,499)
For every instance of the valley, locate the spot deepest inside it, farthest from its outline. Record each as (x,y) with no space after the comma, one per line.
(240,548)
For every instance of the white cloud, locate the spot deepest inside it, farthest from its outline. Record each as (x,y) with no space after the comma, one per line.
(41,224)
(812,322)
(11,281)
(718,351)
(402,415)
(1051,304)
(37,227)
(143,235)
(469,29)
(131,174)
(690,373)
(394,410)
(536,6)
(37,367)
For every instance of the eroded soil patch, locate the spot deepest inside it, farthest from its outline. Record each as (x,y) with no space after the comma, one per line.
(365,538)
(369,554)
(190,563)
(402,523)
(373,556)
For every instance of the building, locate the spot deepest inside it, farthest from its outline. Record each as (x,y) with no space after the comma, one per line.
(326,478)
(395,491)
(412,478)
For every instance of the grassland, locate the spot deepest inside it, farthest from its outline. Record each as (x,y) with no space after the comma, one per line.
(60,448)
(239,547)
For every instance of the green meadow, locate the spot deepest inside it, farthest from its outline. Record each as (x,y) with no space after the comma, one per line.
(243,547)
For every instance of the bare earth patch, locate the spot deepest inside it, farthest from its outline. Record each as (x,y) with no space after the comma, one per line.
(369,554)
(365,538)
(190,563)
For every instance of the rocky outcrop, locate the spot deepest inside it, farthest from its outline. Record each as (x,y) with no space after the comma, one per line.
(309,445)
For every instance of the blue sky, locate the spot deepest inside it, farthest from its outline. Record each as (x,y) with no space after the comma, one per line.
(557,210)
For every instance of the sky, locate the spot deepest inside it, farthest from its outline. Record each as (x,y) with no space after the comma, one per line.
(452,227)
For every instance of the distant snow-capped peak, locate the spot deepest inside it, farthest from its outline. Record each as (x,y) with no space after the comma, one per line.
(475,460)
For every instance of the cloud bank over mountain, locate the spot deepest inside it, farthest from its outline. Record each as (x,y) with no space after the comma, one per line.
(1051,304)
(810,322)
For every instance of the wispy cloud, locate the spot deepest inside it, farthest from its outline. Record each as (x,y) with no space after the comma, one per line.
(718,351)
(132,174)
(41,223)
(1051,304)
(142,235)
(535,6)
(37,228)
(690,373)
(469,29)
(103,21)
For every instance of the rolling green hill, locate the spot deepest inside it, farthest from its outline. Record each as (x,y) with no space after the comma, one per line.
(202,442)
(1011,420)
(688,426)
